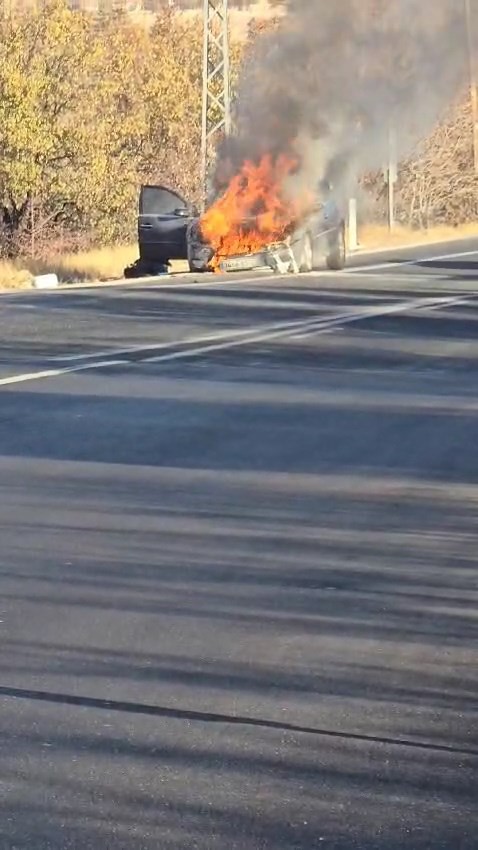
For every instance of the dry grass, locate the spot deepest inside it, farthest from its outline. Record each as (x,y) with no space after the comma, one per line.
(97,265)
(373,236)
(102,264)
(13,276)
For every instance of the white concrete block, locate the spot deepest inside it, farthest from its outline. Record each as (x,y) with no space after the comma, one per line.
(45,281)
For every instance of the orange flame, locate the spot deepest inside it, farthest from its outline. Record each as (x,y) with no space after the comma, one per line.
(253,211)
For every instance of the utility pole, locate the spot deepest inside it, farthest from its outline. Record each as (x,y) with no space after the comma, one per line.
(390,173)
(473,81)
(216,99)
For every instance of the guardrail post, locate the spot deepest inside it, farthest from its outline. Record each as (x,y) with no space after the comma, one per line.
(352,225)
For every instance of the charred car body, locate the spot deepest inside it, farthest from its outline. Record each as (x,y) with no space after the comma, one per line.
(169,229)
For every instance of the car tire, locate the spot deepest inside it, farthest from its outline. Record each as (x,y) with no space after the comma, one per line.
(337,256)
(305,254)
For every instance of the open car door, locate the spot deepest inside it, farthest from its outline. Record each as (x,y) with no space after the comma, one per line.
(162,225)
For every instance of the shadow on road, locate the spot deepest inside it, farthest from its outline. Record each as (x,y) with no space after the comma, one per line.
(240,598)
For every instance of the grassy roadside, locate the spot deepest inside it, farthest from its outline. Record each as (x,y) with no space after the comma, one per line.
(103,264)
(376,236)
(100,264)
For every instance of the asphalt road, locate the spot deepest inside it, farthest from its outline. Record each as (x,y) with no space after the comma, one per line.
(238,569)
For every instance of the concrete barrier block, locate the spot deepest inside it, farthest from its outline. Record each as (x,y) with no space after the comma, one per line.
(45,281)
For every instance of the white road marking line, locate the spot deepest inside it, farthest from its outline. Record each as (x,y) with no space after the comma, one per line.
(111,352)
(215,337)
(31,376)
(136,349)
(307,327)
(245,337)
(403,264)
(56,373)
(464,301)
(222,335)
(428,308)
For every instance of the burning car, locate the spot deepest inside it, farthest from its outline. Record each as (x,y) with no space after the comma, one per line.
(254,236)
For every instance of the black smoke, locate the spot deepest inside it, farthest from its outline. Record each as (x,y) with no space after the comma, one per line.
(335,78)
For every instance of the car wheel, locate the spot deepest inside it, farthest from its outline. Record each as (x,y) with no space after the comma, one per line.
(337,256)
(305,254)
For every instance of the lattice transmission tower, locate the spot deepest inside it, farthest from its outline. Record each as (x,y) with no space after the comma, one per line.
(216,98)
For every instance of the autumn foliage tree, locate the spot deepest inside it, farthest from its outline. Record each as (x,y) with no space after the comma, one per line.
(439,184)
(92,106)
(88,109)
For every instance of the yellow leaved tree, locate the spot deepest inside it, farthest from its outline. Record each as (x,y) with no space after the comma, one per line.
(90,107)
